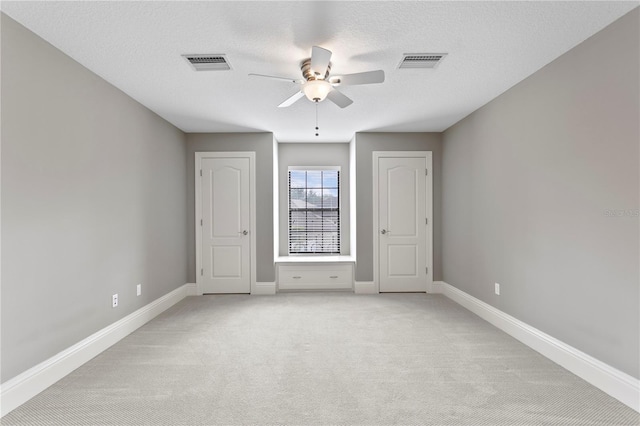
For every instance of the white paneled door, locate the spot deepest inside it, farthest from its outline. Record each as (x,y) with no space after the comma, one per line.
(402,224)
(226,243)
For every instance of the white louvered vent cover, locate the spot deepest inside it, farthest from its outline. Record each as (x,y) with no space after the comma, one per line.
(421,60)
(208,62)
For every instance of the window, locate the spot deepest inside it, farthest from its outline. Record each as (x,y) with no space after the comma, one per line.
(314,210)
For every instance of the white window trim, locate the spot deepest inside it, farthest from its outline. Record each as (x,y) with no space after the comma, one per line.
(314,168)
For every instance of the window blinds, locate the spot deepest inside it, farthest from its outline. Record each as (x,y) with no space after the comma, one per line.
(314,211)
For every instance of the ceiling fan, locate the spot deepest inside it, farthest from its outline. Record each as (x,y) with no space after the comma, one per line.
(318,85)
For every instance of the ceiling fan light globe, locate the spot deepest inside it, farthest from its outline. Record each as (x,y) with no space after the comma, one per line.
(316,90)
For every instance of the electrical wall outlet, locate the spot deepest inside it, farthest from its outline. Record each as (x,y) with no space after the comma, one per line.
(138,289)
(114,301)
(497,289)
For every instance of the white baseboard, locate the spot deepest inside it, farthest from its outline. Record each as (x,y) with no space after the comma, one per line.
(610,380)
(20,389)
(365,287)
(264,289)
(192,289)
(436,287)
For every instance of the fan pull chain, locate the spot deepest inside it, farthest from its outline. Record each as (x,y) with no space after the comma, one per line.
(317,134)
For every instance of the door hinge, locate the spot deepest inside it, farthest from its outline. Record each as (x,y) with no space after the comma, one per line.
(427,270)
(200,172)
(426,220)
(201,271)
(200,222)
(426,172)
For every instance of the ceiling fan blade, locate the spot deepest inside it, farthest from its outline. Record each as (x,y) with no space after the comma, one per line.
(292,80)
(291,100)
(339,98)
(368,77)
(320,60)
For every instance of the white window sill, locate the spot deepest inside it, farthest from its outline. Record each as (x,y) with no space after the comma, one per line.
(315,259)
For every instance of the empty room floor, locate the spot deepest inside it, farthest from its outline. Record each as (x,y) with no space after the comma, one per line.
(321,358)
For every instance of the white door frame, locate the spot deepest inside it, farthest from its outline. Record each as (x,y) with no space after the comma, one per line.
(428,156)
(198,211)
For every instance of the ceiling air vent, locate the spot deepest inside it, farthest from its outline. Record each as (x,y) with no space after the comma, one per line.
(208,62)
(421,60)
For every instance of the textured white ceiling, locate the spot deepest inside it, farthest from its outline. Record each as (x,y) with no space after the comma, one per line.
(136,46)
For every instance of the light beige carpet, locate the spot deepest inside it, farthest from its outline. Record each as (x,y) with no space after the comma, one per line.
(321,358)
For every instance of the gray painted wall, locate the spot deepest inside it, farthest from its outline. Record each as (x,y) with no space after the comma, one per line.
(262,144)
(93,202)
(313,154)
(528,181)
(366,144)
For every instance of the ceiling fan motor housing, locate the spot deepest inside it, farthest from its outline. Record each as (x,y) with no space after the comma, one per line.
(309,75)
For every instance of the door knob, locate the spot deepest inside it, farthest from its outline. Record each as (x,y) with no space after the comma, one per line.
(384,231)
(245,232)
